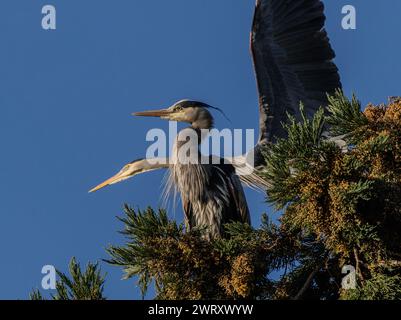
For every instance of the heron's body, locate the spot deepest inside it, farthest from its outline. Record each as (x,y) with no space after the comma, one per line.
(211,193)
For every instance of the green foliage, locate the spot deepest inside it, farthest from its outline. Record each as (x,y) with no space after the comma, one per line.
(346,117)
(184,265)
(36,295)
(141,230)
(302,148)
(378,287)
(338,208)
(87,285)
(348,201)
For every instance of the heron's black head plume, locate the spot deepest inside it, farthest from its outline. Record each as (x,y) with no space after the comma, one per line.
(197,104)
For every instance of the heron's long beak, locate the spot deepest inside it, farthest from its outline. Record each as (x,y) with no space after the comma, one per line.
(117,178)
(132,169)
(162,113)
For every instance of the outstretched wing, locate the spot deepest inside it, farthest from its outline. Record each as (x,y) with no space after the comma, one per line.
(293,61)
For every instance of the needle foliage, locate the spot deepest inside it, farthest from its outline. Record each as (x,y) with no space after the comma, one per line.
(80,285)
(340,200)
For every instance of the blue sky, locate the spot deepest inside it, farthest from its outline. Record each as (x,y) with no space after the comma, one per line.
(66,97)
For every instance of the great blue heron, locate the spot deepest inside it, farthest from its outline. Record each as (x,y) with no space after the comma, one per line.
(293,63)
(211,193)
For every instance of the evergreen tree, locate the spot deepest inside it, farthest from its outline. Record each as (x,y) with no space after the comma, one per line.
(348,202)
(340,204)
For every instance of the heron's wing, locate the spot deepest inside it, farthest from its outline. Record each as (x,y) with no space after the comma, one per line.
(237,207)
(293,61)
(188,214)
(237,193)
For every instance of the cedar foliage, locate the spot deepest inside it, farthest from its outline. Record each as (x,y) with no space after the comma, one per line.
(82,285)
(340,203)
(184,265)
(350,202)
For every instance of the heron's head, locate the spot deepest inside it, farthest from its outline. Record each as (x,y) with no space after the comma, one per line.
(194,112)
(131,169)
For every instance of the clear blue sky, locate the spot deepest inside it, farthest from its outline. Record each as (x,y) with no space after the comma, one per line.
(66,98)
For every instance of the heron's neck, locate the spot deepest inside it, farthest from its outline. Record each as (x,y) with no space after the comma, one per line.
(186,145)
(203,123)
